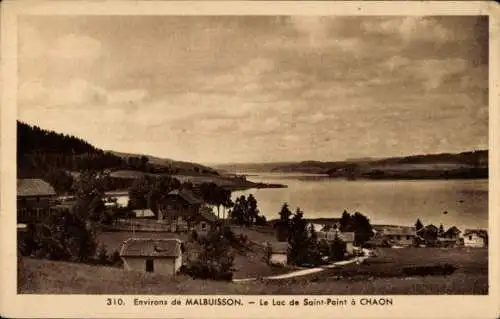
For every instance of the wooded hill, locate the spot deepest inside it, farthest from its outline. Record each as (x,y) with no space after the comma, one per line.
(40,150)
(472,164)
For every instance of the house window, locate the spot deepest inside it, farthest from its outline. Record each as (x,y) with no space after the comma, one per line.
(38,199)
(408,237)
(398,237)
(470,237)
(150,265)
(203,226)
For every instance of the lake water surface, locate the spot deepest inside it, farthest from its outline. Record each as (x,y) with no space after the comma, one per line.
(392,202)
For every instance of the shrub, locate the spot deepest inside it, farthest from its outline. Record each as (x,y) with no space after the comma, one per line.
(337,249)
(63,236)
(115,259)
(215,259)
(102,256)
(194,235)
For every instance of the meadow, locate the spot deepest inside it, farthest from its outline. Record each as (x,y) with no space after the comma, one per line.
(381,275)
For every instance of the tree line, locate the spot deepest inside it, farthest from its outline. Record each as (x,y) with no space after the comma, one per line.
(40,151)
(305,248)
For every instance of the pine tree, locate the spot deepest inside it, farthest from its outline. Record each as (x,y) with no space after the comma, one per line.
(418,225)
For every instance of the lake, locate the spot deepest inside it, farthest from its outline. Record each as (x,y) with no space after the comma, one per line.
(398,202)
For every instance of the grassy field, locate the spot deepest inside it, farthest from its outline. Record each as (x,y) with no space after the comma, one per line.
(47,277)
(257,234)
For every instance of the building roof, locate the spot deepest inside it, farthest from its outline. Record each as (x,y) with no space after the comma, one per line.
(144,212)
(34,187)
(430,227)
(348,237)
(278,247)
(208,215)
(395,230)
(479,232)
(187,195)
(148,247)
(452,231)
(329,227)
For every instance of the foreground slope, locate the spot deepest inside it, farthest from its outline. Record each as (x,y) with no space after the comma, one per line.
(49,277)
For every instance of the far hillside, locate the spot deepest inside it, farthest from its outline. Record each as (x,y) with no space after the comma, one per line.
(173,166)
(471,164)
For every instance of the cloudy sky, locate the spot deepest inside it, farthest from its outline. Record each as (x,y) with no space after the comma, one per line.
(258,89)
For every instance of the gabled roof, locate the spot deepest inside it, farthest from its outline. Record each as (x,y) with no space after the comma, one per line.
(428,227)
(147,247)
(34,187)
(395,230)
(479,232)
(348,237)
(187,195)
(452,231)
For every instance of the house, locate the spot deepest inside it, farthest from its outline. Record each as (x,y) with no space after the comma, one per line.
(348,239)
(143,213)
(329,233)
(475,238)
(163,256)
(178,208)
(204,221)
(278,252)
(428,234)
(395,235)
(35,197)
(450,238)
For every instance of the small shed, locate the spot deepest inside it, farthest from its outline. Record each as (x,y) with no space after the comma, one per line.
(163,256)
(278,252)
(475,238)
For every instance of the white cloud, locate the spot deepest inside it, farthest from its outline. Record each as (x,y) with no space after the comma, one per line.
(77,92)
(31,92)
(411,28)
(33,44)
(314,28)
(434,72)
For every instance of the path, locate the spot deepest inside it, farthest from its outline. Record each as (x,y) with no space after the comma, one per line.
(304,272)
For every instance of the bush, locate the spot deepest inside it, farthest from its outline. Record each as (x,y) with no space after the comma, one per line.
(200,270)
(102,256)
(337,249)
(194,235)
(63,236)
(215,259)
(115,259)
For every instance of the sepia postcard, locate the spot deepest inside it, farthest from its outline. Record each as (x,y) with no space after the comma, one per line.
(200,159)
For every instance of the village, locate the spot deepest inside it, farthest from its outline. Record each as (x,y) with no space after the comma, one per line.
(165,242)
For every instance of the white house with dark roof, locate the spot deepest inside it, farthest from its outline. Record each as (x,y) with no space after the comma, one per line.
(475,238)
(163,256)
(35,197)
